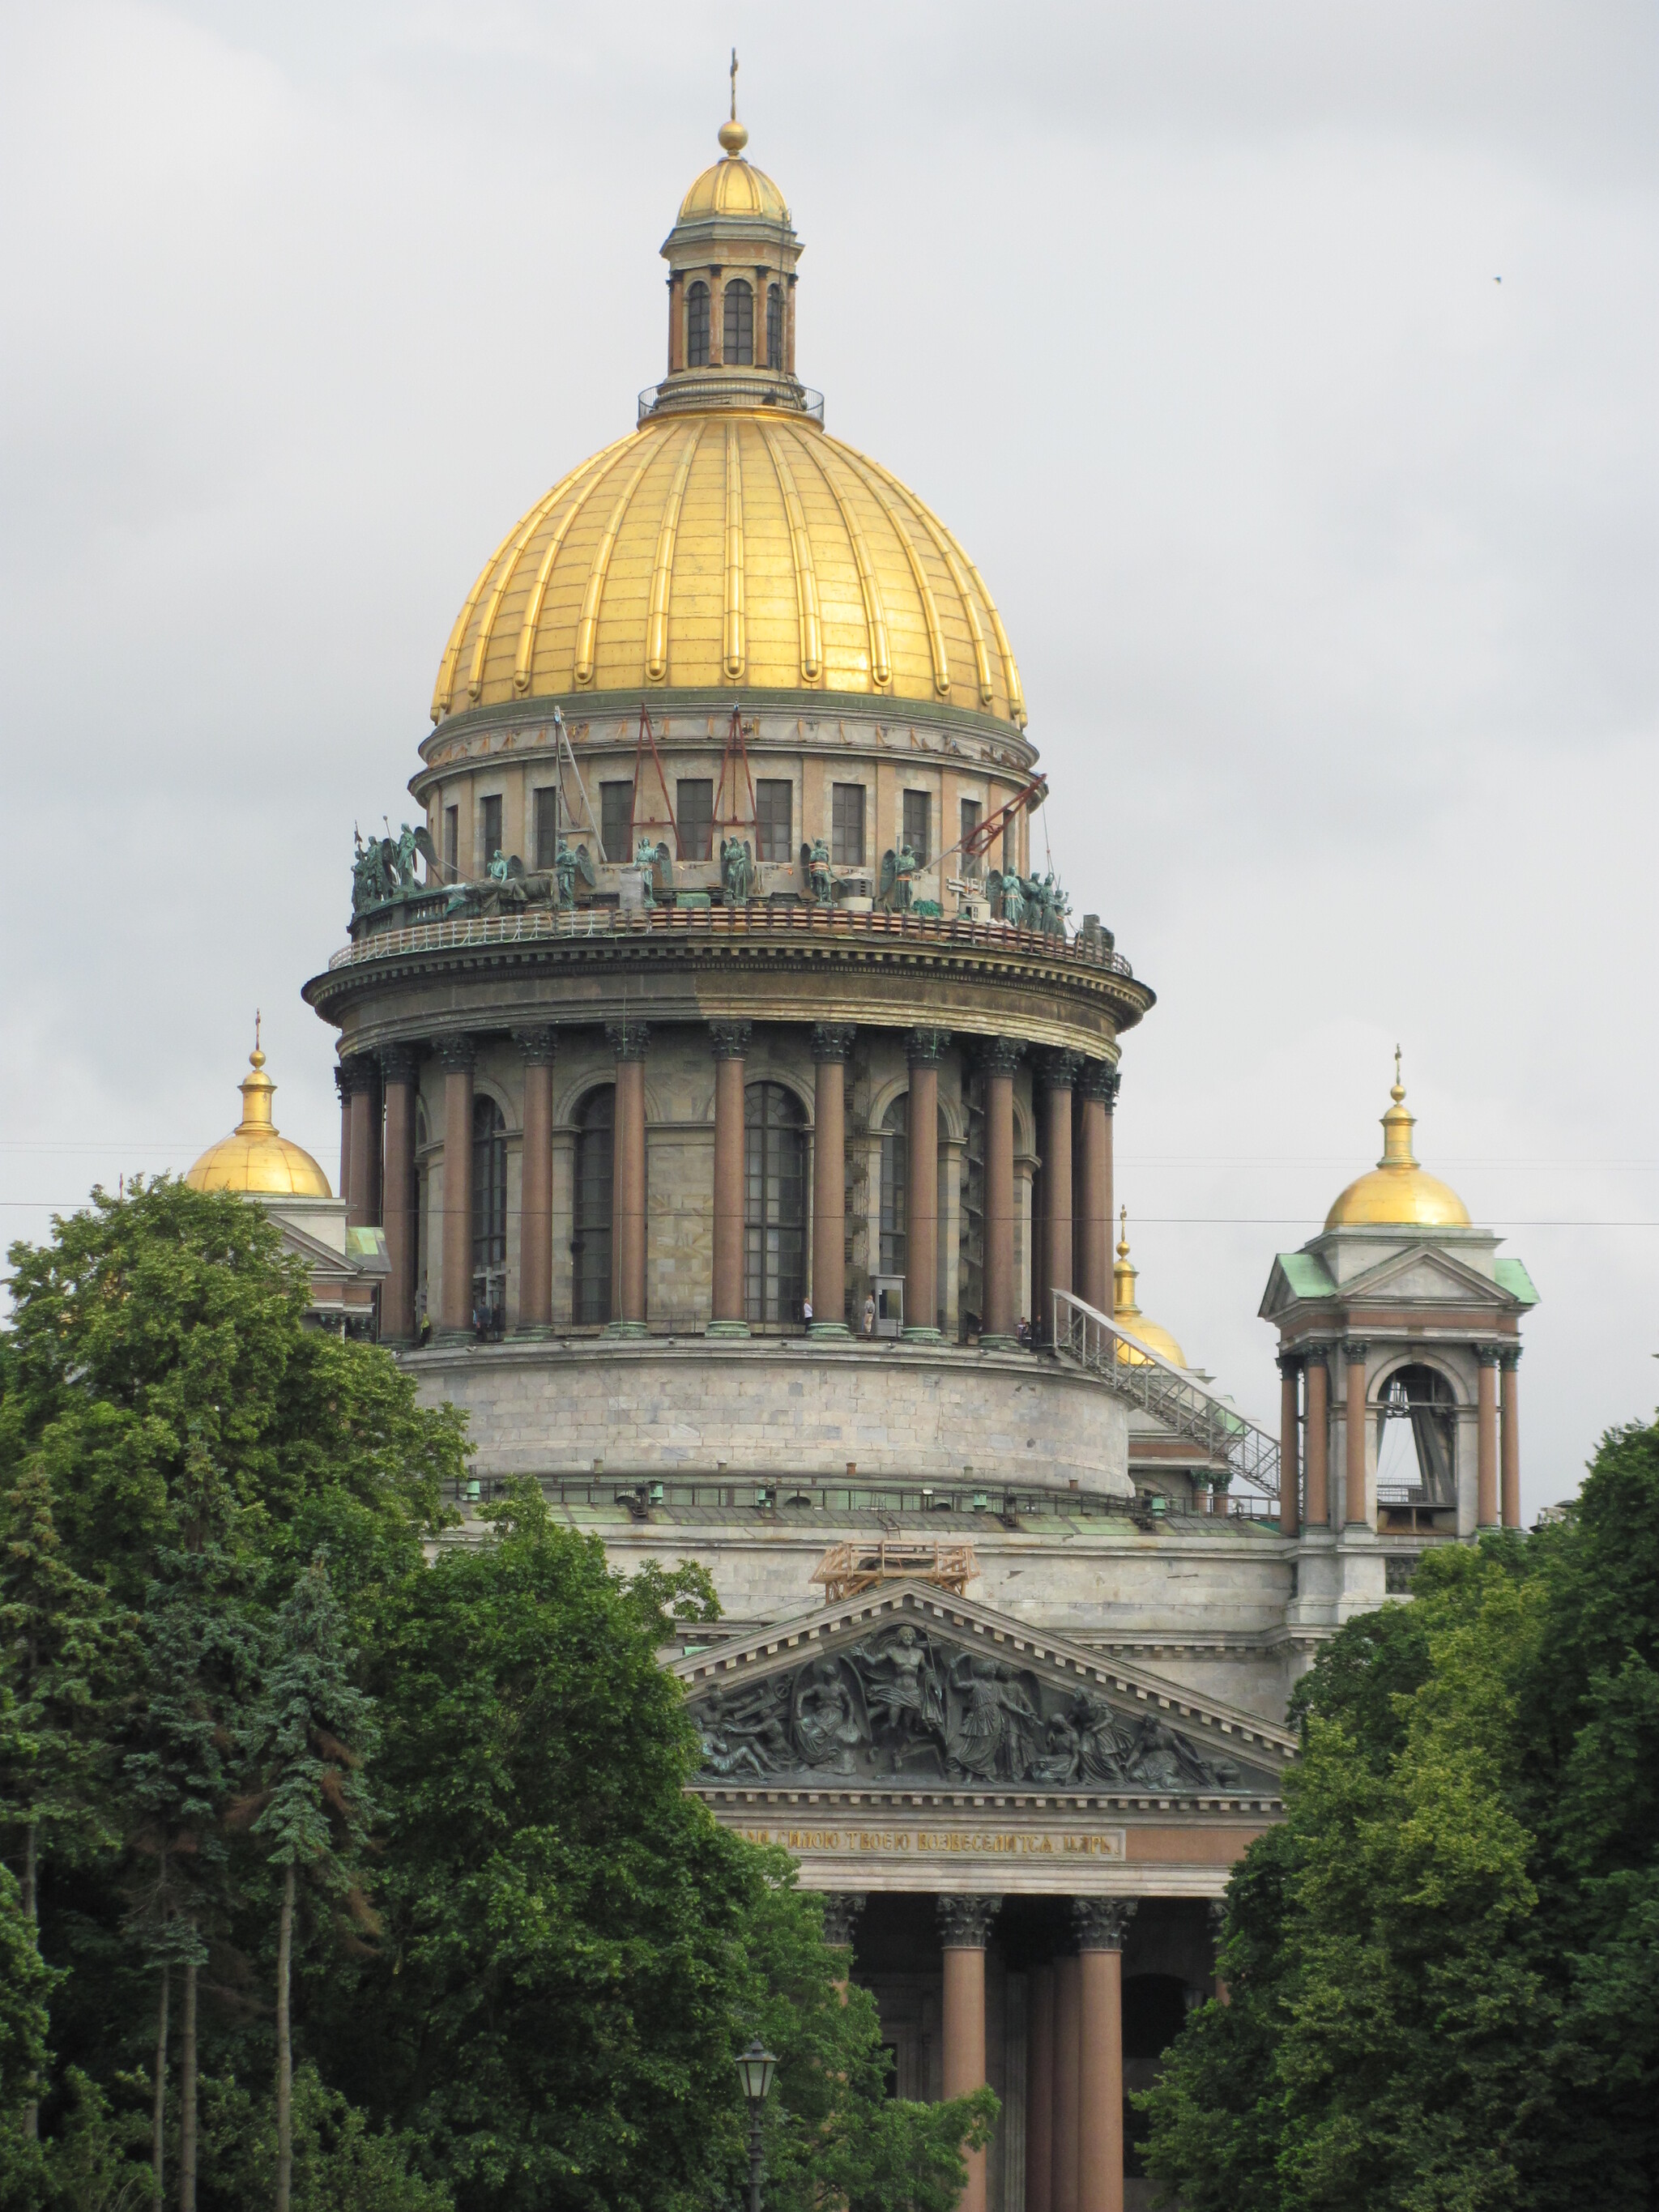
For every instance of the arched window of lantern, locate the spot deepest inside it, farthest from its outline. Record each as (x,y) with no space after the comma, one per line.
(739,324)
(775,1203)
(596,1122)
(696,324)
(1417,1438)
(774,326)
(489,1207)
(895,1184)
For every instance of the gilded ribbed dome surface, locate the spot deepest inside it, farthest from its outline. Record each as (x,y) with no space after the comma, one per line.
(256,1159)
(1397,1192)
(731,549)
(734,187)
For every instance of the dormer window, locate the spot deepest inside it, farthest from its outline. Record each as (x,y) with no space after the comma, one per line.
(697,325)
(774,327)
(739,324)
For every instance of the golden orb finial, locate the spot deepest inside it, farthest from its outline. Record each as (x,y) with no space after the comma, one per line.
(1126,1308)
(1123,1232)
(733,136)
(1398,1192)
(256,1158)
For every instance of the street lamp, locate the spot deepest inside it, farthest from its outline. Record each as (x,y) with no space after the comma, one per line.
(755,2070)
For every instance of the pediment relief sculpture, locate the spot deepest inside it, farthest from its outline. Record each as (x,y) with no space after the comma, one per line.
(907,1705)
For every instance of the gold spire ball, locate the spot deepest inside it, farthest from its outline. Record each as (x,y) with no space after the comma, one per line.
(254,1159)
(1129,1314)
(1397,1192)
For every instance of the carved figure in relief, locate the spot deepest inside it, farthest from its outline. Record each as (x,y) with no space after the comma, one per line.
(975,1744)
(830,1723)
(1087,1742)
(1158,1758)
(725,1749)
(905,1694)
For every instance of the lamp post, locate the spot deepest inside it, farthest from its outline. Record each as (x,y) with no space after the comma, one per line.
(755,2070)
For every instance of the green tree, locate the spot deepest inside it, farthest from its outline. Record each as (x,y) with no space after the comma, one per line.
(309,1734)
(24,1986)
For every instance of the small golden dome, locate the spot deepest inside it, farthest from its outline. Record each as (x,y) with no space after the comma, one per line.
(734,186)
(1124,1309)
(1397,1192)
(254,1159)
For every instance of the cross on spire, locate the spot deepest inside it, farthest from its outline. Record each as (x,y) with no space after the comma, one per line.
(734,84)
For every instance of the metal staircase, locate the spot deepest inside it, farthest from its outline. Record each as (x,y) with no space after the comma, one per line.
(1096,1344)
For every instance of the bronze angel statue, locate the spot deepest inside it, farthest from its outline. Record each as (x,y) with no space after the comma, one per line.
(571,864)
(738,872)
(899,870)
(817,872)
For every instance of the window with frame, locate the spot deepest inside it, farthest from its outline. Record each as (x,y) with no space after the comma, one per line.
(775,817)
(739,332)
(452,843)
(895,1184)
(973,813)
(490,829)
(697,325)
(774,327)
(616,820)
(846,825)
(590,1245)
(489,1207)
(694,806)
(918,821)
(547,826)
(775,1203)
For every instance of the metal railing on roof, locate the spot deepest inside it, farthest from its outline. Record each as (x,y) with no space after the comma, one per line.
(693,394)
(768,919)
(1134,1371)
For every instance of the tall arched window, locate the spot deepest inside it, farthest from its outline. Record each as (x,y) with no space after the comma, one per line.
(489,1210)
(591,1244)
(774,327)
(697,325)
(895,1184)
(1419,1466)
(739,324)
(775,1203)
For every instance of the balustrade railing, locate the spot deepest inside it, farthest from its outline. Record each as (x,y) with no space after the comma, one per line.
(1102,1348)
(763,919)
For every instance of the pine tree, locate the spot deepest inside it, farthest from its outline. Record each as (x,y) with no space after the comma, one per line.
(309,1737)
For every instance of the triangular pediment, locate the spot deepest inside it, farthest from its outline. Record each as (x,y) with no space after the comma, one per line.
(907,1686)
(1425,1274)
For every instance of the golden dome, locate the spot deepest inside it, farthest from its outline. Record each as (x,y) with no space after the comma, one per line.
(734,186)
(1124,1309)
(254,1159)
(1397,1192)
(733,548)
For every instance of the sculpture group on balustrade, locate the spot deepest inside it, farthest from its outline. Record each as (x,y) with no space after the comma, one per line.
(904,1705)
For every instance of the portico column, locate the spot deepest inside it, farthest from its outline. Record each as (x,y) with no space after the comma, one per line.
(1319,1437)
(1289,1473)
(999,1324)
(363,1206)
(1353,1503)
(729,1041)
(1510,1470)
(1060,1073)
(1094,1196)
(455,1057)
(1102,1924)
(400,1068)
(1068,2027)
(628,1041)
(536,1046)
(841,1908)
(964,1926)
(343,1082)
(1039,2091)
(1486,1455)
(924,1048)
(832,1048)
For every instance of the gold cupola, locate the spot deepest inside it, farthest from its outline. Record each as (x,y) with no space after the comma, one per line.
(1129,1314)
(255,1159)
(1397,1192)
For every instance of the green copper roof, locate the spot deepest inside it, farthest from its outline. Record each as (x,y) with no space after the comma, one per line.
(1307,1275)
(1513,1278)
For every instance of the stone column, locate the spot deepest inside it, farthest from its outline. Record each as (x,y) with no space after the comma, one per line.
(999,1324)
(400,1069)
(1485,1457)
(1510,1462)
(537,1046)
(363,1080)
(730,1043)
(1094,1194)
(1354,1502)
(964,1926)
(343,1087)
(1102,1924)
(841,1908)
(456,1057)
(1068,2027)
(924,1048)
(1060,1070)
(1319,1437)
(1289,1514)
(628,1041)
(832,1048)
(1039,2091)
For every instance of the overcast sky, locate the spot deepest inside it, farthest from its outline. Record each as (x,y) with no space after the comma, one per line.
(1290,371)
